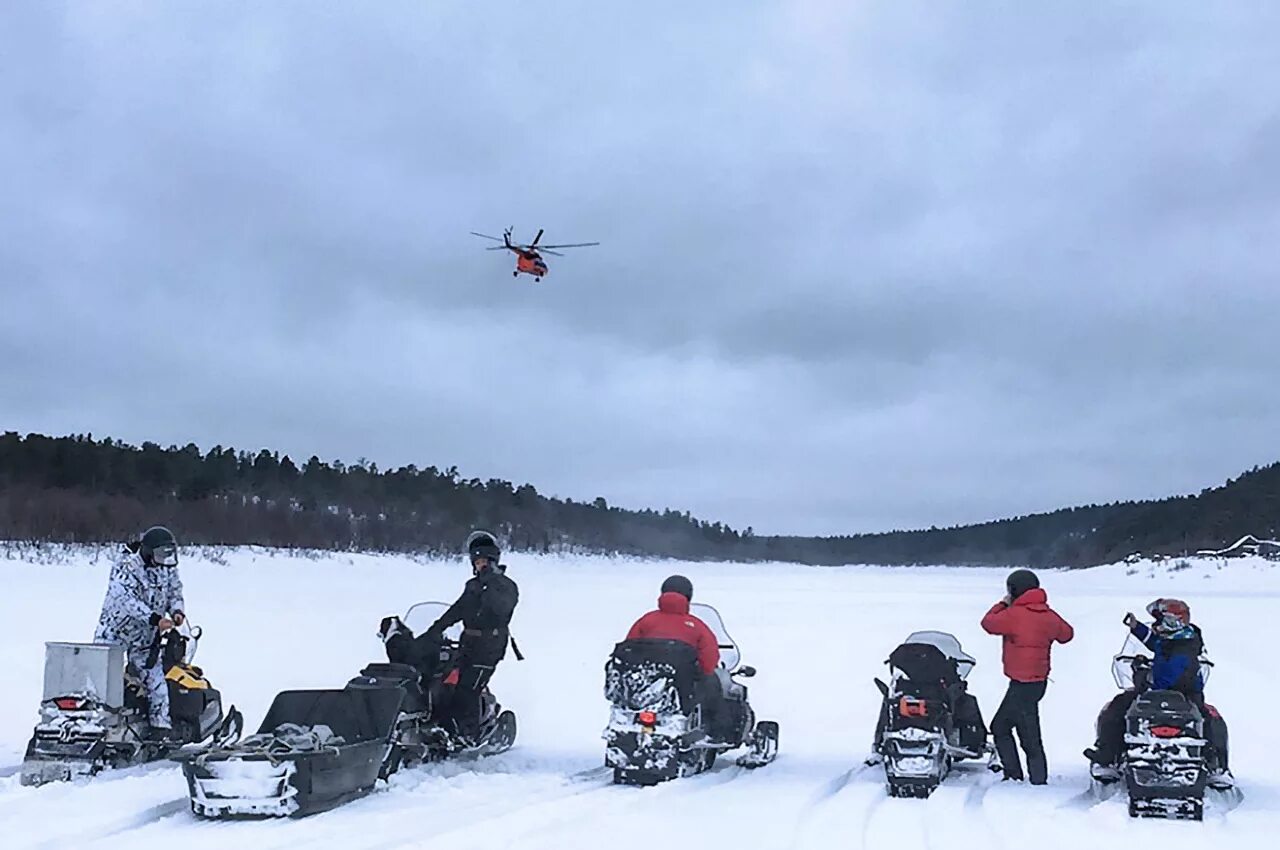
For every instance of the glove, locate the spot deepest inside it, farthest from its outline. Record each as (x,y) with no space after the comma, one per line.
(165,624)
(1007,601)
(179,618)
(1130,620)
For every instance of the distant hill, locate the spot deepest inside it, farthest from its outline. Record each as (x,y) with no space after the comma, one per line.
(1081,536)
(78,489)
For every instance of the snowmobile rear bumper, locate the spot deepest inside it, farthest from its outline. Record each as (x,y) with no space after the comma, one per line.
(639,758)
(915,761)
(1172,790)
(50,758)
(233,786)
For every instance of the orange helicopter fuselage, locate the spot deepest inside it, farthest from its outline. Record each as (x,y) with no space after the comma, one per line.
(530,262)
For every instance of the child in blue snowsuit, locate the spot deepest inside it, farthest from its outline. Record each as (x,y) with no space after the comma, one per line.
(1176,644)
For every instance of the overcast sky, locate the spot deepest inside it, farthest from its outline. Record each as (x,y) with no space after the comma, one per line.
(865,265)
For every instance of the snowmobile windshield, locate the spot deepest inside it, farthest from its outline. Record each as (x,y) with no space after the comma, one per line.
(729,654)
(949,646)
(420,617)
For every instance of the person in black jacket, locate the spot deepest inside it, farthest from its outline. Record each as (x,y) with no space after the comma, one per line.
(485,608)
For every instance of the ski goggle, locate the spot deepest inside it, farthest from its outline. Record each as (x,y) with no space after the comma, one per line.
(165,556)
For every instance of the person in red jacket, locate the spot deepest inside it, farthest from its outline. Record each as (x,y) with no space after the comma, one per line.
(1029,628)
(672,621)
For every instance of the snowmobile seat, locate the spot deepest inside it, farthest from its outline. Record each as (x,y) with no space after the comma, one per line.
(651,658)
(1168,708)
(402,677)
(925,663)
(391,671)
(353,714)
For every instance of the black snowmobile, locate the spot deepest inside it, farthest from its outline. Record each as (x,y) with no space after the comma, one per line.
(317,749)
(928,719)
(427,673)
(94,711)
(1167,758)
(656,729)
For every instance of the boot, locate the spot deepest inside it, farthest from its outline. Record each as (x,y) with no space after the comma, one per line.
(1221,780)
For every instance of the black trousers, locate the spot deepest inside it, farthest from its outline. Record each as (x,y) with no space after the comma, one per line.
(464,704)
(1020,711)
(714,711)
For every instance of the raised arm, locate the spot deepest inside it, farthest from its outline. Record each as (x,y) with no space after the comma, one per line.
(996,621)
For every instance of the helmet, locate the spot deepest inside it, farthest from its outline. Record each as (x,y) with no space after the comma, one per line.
(1020,581)
(680,585)
(1170,615)
(159,547)
(482,544)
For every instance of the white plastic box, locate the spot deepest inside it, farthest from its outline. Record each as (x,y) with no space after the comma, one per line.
(85,668)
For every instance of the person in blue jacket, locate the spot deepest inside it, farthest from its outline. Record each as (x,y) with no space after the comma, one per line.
(1176,645)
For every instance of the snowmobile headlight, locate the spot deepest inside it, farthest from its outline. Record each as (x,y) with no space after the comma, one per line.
(647,718)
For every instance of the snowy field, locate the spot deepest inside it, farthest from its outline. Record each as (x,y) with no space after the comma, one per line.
(817,636)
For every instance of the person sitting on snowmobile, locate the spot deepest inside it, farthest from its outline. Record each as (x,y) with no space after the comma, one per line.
(143,601)
(672,621)
(1177,645)
(485,608)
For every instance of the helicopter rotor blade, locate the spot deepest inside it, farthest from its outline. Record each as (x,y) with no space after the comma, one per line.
(534,243)
(485,236)
(544,250)
(573,245)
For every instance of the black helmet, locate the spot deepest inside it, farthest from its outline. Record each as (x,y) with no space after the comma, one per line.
(1020,581)
(482,544)
(159,547)
(680,585)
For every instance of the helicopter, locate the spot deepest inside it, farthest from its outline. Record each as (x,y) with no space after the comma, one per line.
(529,257)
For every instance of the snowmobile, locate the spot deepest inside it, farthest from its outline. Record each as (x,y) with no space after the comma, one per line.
(1167,759)
(423,733)
(318,749)
(656,728)
(93,714)
(928,719)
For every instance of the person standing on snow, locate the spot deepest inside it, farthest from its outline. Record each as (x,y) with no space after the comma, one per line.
(672,621)
(143,601)
(485,608)
(1029,628)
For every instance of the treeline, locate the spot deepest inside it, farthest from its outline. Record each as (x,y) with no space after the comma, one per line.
(1073,537)
(78,489)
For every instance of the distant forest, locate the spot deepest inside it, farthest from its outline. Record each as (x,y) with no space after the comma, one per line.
(77,489)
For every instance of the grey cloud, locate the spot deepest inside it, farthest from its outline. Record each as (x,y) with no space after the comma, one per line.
(864,265)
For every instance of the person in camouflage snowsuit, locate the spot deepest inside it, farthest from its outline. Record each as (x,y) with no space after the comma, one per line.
(144,599)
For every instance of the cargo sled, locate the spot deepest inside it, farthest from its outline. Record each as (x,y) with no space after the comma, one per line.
(315,750)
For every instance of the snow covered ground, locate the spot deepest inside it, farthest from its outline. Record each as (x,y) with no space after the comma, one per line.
(817,635)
